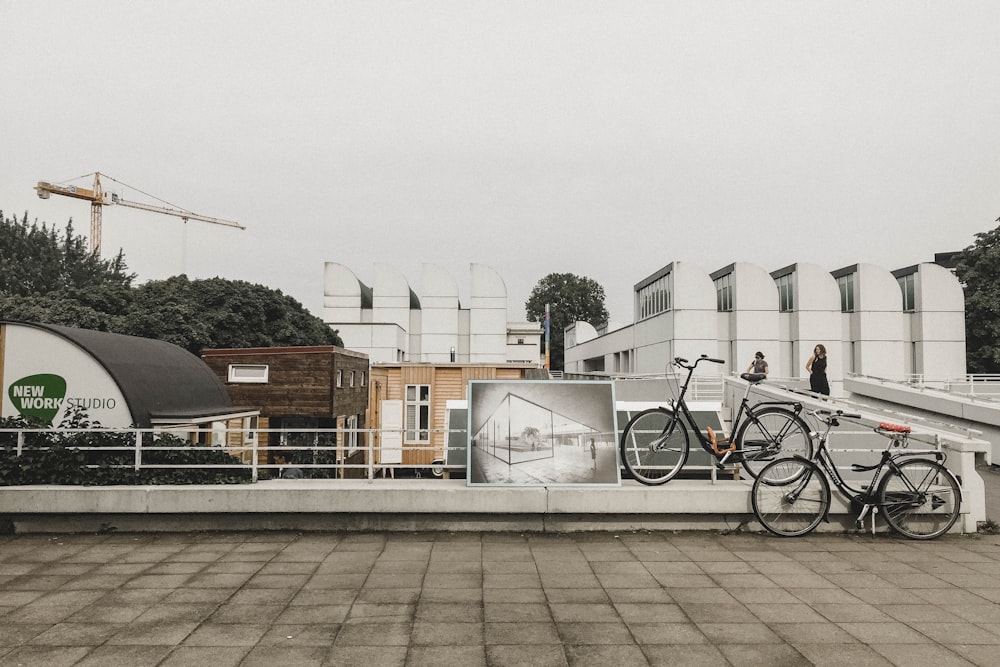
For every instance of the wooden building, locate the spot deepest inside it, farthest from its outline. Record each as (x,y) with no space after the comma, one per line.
(408,404)
(297,389)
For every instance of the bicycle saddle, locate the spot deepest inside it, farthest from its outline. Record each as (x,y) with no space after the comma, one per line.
(894,428)
(753,377)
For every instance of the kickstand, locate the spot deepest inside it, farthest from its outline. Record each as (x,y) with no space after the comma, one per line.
(874,512)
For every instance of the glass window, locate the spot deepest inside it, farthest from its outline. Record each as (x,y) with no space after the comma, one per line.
(352,379)
(240,373)
(906,285)
(418,413)
(339,378)
(724,293)
(846,284)
(362,378)
(654,298)
(786,293)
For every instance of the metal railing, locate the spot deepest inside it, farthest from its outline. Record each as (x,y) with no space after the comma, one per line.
(247,455)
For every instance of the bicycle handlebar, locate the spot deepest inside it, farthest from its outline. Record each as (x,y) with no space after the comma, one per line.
(683,363)
(826,416)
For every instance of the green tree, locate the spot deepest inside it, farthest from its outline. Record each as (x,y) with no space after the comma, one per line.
(52,278)
(570,298)
(218,313)
(978,268)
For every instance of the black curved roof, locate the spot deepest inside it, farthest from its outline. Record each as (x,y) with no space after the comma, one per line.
(160,381)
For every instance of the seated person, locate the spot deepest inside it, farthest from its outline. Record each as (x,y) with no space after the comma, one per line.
(290,472)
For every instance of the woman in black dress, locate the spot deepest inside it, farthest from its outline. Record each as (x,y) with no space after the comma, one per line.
(817,371)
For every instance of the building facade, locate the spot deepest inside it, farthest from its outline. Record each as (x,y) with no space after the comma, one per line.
(49,371)
(297,390)
(899,325)
(409,406)
(391,323)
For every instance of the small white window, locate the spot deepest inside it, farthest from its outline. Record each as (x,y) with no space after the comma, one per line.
(340,378)
(351,424)
(418,413)
(352,378)
(362,378)
(248,373)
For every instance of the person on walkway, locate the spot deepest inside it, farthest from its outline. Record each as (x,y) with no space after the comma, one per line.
(758,365)
(816,366)
(287,473)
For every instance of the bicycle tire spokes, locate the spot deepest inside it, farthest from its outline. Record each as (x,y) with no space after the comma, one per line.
(919,499)
(772,432)
(654,447)
(790,497)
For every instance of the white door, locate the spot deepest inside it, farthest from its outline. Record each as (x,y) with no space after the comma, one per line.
(392,432)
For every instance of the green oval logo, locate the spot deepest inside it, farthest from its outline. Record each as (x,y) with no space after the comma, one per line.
(38,397)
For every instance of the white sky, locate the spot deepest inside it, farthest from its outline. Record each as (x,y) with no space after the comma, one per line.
(605,139)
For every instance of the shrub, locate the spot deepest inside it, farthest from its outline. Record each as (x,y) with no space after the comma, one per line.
(60,457)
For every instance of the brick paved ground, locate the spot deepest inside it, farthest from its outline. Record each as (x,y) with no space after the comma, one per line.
(289,599)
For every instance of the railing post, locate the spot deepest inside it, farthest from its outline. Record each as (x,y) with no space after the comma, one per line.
(370,437)
(253,453)
(20,442)
(138,449)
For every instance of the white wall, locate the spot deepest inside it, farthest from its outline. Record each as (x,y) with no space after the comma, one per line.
(487,316)
(29,351)
(938,324)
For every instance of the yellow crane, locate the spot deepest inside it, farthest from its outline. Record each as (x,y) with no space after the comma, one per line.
(98,199)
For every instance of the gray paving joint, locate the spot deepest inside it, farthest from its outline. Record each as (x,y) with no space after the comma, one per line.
(483,598)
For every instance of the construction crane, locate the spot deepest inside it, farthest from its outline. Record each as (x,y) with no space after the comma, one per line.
(98,199)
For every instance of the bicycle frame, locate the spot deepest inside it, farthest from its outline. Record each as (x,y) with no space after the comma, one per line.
(864,498)
(680,410)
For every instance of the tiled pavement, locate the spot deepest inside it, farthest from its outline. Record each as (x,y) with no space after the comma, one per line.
(373,599)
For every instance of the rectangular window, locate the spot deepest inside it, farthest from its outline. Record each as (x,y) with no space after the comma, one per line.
(724,293)
(654,298)
(240,373)
(339,378)
(362,378)
(352,378)
(786,293)
(351,424)
(418,413)
(906,285)
(846,284)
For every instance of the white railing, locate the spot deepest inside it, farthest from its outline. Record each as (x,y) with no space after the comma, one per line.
(246,456)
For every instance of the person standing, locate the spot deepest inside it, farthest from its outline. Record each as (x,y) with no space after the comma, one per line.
(816,366)
(758,365)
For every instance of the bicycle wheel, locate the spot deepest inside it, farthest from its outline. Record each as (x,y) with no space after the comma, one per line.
(772,432)
(920,499)
(790,497)
(654,446)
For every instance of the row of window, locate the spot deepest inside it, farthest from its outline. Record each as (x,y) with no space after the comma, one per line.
(258,373)
(786,293)
(352,375)
(655,298)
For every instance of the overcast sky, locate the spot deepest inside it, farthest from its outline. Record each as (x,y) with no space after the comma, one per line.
(605,139)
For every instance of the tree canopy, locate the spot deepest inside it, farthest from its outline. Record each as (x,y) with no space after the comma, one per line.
(978,268)
(51,278)
(570,298)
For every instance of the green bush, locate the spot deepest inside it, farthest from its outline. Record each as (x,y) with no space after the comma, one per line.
(71,458)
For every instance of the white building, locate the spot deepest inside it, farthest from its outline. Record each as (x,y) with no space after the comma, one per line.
(897,325)
(392,324)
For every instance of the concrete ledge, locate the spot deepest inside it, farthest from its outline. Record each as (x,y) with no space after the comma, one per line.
(400,505)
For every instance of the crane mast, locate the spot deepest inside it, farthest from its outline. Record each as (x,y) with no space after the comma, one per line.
(99,199)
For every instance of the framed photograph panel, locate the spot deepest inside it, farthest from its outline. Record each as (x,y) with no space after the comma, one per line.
(542,433)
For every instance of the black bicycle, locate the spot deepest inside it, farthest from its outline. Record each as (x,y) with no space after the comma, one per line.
(916,494)
(655,443)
